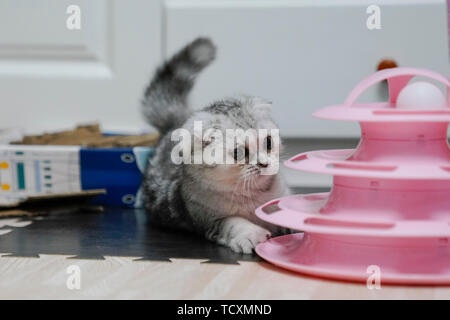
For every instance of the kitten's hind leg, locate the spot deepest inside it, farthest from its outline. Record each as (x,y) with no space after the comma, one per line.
(238,233)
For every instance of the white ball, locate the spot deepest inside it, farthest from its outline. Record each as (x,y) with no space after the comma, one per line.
(421,95)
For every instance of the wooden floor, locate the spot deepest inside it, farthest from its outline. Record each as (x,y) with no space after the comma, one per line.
(35,254)
(122,278)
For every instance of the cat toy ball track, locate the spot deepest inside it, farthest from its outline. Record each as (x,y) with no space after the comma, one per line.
(390,202)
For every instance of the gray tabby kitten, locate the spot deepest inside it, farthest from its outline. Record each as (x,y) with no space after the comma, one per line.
(216,201)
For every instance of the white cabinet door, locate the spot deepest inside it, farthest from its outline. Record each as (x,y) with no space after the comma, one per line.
(306,54)
(52,77)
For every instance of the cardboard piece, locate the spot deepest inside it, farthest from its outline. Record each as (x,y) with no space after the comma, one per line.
(51,203)
(89,136)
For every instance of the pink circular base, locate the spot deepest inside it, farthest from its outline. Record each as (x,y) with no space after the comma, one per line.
(425,263)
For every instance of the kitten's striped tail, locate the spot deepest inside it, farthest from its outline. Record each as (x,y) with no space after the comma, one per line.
(165,100)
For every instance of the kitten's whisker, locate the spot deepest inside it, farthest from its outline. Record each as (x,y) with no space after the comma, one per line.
(253,183)
(245,189)
(250,191)
(242,191)
(238,182)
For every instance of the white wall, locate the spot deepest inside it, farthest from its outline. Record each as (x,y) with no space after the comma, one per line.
(302,54)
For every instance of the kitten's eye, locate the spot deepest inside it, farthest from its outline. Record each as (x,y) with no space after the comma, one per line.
(236,154)
(240,153)
(269,143)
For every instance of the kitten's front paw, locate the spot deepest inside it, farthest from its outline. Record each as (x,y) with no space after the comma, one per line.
(248,239)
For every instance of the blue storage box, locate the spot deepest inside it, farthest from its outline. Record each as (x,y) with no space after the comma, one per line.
(33,170)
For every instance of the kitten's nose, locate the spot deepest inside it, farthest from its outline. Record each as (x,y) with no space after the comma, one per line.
(263,165)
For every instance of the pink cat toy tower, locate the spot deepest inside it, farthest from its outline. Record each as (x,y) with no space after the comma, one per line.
(389,207)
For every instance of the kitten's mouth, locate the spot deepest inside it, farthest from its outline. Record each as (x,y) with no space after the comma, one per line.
(253,172)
